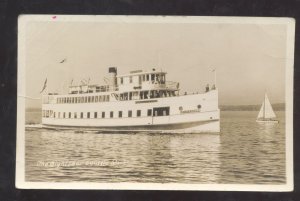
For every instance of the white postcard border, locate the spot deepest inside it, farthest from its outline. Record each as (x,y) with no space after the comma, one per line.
(20,157)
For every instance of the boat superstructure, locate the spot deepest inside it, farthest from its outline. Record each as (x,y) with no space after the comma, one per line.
(137,101)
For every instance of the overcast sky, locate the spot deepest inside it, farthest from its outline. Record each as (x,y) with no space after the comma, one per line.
(249,58)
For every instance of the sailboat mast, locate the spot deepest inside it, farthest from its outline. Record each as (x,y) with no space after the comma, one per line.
(264,107)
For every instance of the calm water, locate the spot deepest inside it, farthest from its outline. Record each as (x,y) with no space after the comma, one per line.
(244,152)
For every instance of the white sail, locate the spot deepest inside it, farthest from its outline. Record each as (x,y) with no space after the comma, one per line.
(261,111)
(269,113)
(266,110)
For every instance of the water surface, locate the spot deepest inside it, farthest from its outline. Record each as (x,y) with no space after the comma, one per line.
(245,152)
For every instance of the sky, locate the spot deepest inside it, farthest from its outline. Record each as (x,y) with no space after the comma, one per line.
(249,58)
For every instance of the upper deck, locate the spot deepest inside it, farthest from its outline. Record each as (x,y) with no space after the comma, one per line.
(134,81)
(137,85)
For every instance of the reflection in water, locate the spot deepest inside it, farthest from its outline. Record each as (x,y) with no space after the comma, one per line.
(122,157)
(244,152)
(252,153)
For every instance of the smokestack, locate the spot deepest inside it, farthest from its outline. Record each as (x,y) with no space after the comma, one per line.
(112,71)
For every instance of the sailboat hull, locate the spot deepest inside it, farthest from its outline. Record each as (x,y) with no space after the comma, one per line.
(268,121)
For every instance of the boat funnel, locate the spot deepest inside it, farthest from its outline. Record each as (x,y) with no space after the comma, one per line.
(112,71)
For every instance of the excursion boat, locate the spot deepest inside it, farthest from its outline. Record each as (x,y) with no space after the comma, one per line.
(137,101)
(266,113)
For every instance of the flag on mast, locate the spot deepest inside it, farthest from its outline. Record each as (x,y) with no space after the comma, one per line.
(215,78)
(44,87)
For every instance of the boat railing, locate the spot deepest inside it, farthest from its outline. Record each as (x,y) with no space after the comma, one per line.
(172,85)
(94,89)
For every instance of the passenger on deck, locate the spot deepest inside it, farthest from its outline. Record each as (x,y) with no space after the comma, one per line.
(207,88)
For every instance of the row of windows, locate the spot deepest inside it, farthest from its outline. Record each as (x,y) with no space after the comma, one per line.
(88,115)
(84,99)
(95,115)
(148,77)
(123,96)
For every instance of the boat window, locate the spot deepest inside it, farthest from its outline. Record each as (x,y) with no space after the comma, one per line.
(92,99)
(161,111)
(147,76)
(88,115)
(151,94)
(130,95)
(152,77)
(59,115)
(69,115)
(64,115)
(138,113)
(107,98)
(96,99)
(54,114)
(103,114)
(162,81)
(81,115)
(89,99)
(130,113)
(95,115)
(111,114)
(149,113)
(85,99)
(144,78)
(120,113)
(121,80)
(75,115)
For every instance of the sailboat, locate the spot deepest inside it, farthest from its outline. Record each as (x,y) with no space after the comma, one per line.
(266,113)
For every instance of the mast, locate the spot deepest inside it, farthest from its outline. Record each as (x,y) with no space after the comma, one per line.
(216,78)
(264,106)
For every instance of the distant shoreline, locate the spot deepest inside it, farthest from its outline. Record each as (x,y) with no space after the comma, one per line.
(276,107)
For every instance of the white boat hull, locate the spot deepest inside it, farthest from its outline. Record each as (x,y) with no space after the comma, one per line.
(193,127)
(184,117)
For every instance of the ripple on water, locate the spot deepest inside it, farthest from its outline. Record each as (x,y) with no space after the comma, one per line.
(244,152)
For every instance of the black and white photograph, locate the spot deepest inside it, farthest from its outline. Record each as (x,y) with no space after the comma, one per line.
(155,103)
